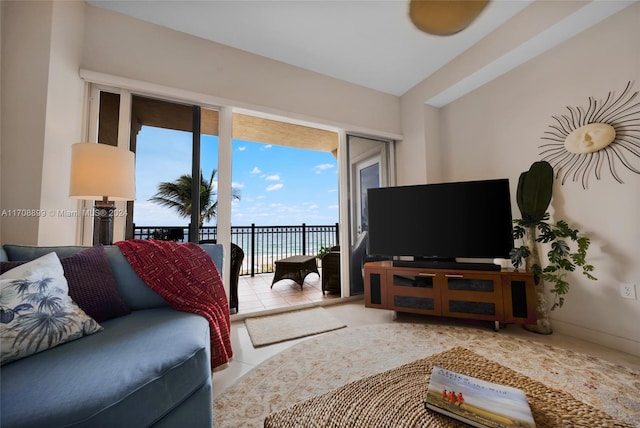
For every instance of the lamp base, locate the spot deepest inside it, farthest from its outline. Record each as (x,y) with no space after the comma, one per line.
(104,209)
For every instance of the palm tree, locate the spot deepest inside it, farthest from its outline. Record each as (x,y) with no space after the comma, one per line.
(177,195)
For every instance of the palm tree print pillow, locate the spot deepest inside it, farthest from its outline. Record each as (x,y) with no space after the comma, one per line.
(36,311)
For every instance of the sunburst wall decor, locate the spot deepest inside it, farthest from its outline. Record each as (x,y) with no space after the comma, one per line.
(583,139)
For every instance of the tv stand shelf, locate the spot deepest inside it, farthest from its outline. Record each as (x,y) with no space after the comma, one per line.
(504,296)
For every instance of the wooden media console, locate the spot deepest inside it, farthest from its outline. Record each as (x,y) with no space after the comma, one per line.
(505,296)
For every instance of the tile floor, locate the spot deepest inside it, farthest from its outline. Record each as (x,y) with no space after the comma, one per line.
(353,313)
(255,293)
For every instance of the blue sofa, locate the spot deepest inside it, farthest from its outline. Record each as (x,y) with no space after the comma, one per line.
(149,368)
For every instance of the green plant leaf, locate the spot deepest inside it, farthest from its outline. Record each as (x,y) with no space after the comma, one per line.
(534,191)
(518,232)
(561,260)
(560,248)
(517,255)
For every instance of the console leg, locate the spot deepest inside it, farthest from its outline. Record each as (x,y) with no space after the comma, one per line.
(496,325)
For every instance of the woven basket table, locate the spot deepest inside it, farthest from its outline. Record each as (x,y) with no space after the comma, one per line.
(395,399)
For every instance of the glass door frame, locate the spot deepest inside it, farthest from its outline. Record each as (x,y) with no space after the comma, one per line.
(226,107)
(381,152)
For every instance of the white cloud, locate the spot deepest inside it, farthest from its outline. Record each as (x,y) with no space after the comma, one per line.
(322,167)
(156,215)
(266,147)
(274,177)
(255,170)
(235,185)
(242,148)
(276,186)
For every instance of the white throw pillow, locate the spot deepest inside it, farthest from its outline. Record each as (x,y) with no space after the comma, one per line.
(36,311)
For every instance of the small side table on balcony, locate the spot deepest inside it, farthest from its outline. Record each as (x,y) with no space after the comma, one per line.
(296,268)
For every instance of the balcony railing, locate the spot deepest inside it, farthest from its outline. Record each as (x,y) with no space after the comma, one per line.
(262,245)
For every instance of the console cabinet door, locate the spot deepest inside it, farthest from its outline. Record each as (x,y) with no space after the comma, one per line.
(519,294)
(375,286)
(475,294)
(413,290)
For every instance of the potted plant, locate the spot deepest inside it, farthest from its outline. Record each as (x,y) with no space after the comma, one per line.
(533,197)
(323,250)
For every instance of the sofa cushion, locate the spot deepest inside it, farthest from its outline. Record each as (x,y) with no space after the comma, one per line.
(6,265)
(92,286)
(91,283)
(131,289)
(138,369)
(37,311)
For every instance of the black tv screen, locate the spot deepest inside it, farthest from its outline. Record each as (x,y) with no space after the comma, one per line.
(441,221)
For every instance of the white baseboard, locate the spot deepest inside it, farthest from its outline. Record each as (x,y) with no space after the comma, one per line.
(594,336)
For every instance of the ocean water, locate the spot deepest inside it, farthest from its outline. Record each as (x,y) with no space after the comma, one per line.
(268,243)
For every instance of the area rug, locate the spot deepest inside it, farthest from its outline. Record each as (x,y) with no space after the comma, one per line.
(395,398)
(321,364)
(270,329)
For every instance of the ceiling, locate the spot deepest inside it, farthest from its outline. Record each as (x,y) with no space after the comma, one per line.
(170,115)
(371,43)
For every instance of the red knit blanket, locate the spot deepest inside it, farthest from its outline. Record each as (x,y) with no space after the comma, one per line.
(187,278)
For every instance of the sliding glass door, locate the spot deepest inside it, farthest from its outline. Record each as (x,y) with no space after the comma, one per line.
(176,148)
(369,167)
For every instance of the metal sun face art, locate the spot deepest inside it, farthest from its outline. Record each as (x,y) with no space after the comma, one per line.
(583,139)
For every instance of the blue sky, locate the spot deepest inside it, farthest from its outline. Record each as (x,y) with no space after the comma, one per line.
(277,185)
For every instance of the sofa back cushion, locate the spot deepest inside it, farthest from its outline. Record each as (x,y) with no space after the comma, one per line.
(91,283)
(131,288)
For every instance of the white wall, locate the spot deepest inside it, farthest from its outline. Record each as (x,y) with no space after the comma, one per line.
(147,52)
(495,131)
(25,57)
(64,113)
(46,43)
(42,99)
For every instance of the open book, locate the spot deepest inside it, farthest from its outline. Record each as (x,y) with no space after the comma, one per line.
(477,402)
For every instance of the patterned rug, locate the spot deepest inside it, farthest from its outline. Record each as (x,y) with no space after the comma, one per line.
(324,363)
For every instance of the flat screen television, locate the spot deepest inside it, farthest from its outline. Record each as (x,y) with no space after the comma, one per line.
(436,224)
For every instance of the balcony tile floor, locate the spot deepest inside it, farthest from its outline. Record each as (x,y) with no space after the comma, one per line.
(255,293)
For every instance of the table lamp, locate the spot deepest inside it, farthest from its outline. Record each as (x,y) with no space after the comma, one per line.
(104,174)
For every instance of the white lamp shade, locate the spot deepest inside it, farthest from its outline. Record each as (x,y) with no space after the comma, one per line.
(99,170)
